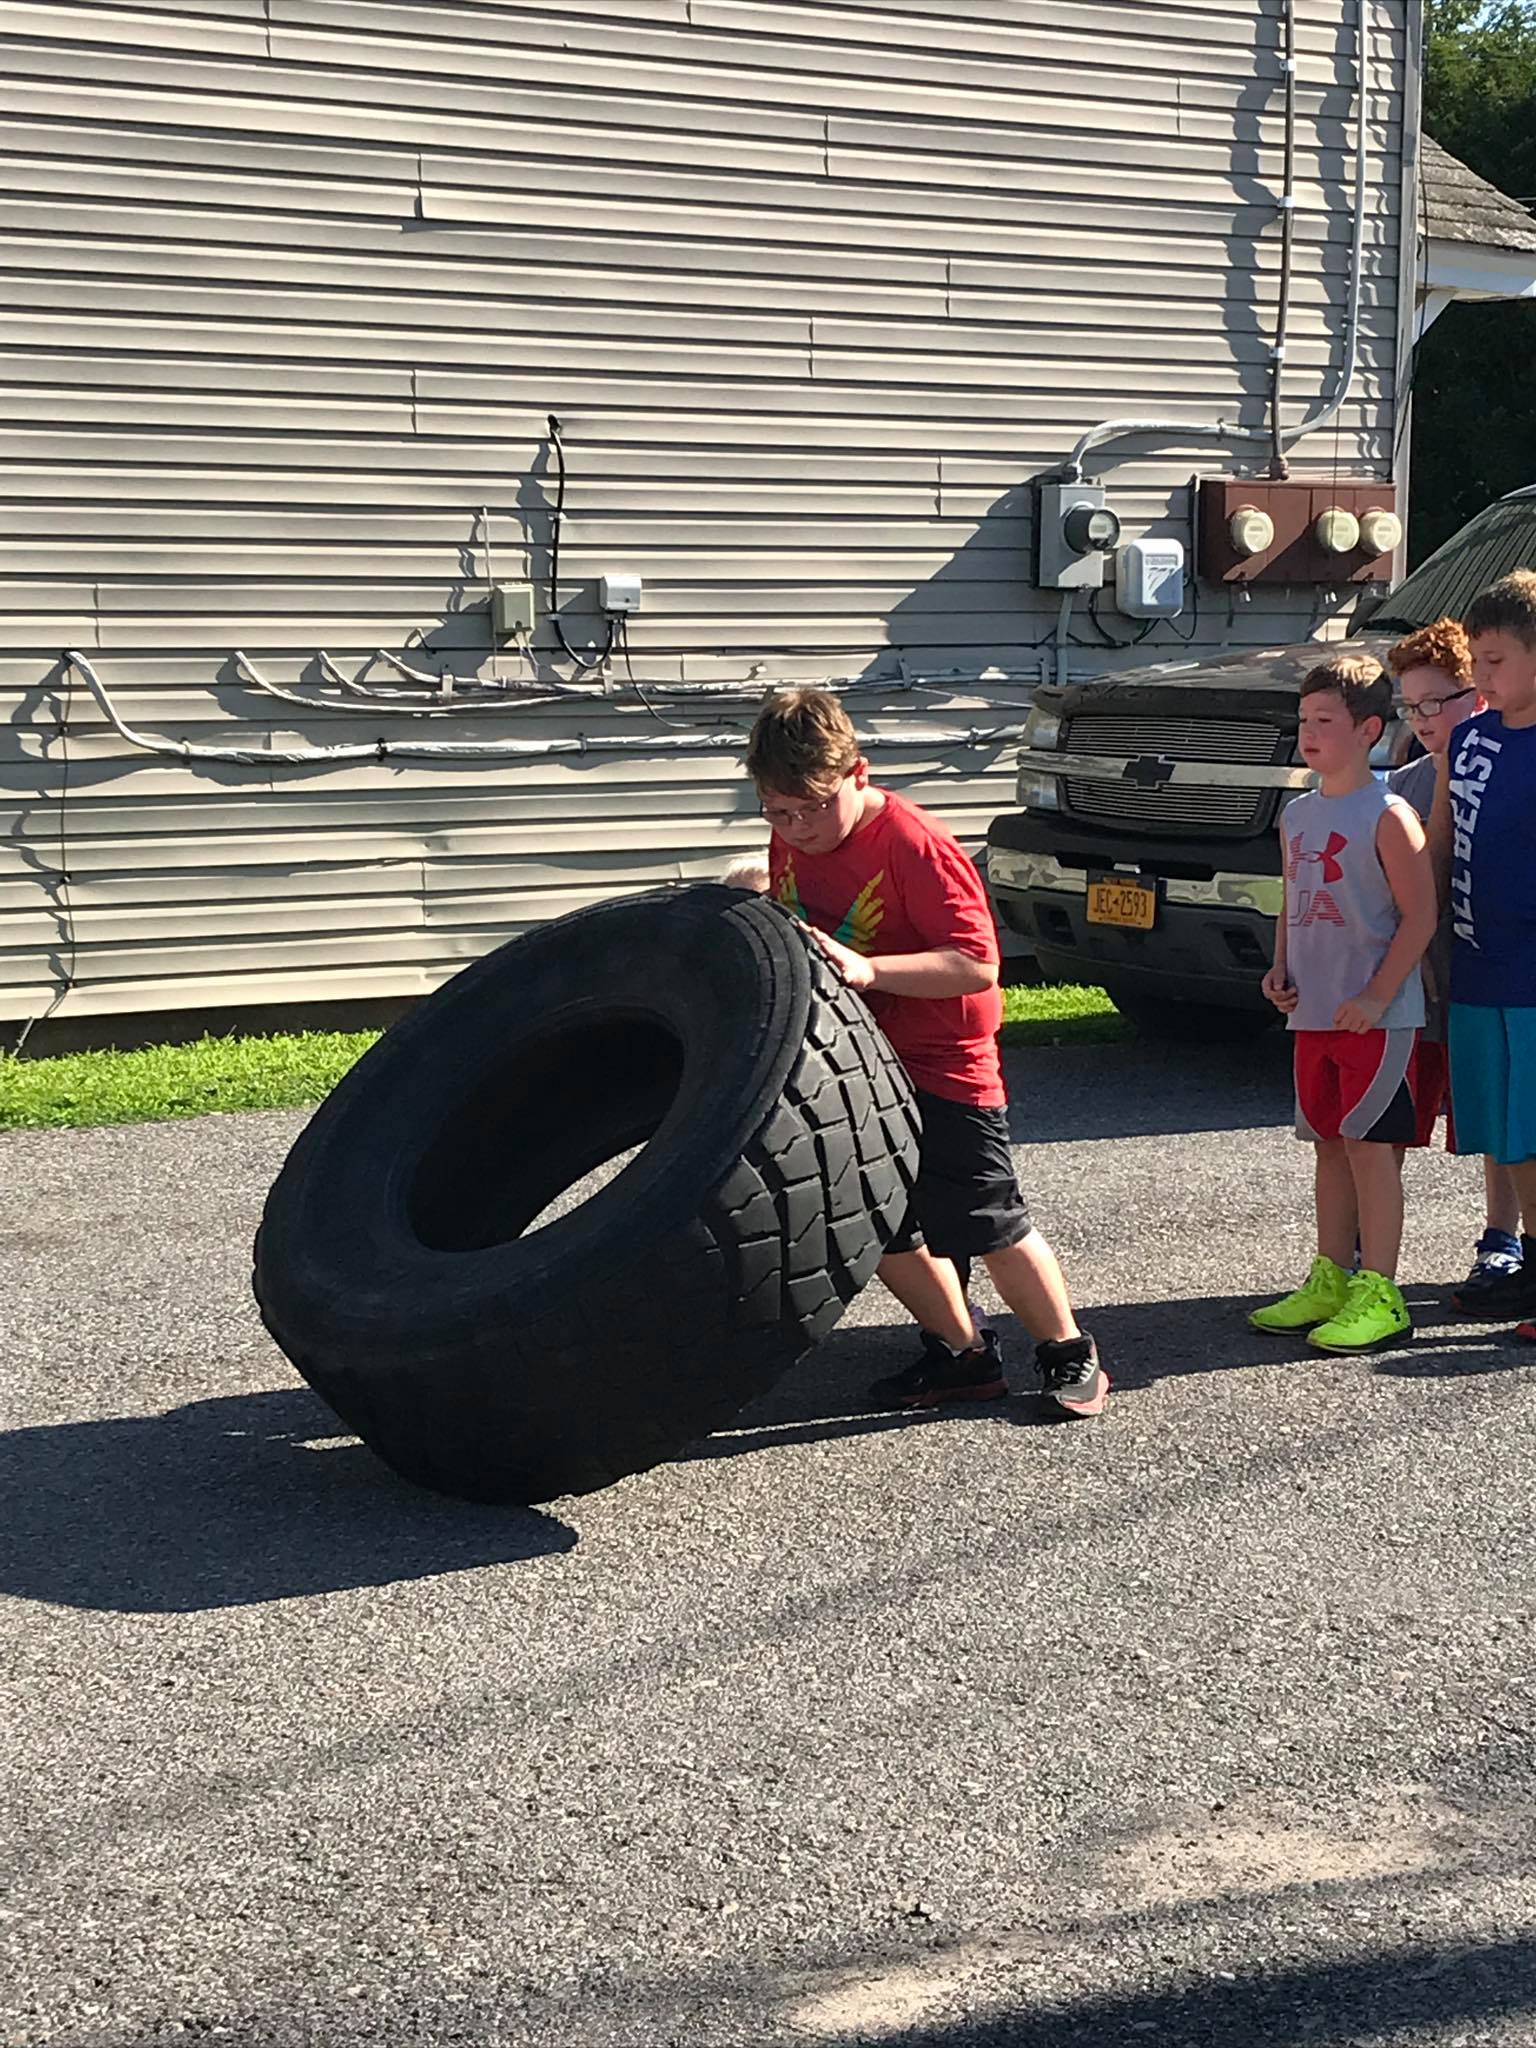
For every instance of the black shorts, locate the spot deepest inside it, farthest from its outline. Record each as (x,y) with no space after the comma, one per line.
(966,1202)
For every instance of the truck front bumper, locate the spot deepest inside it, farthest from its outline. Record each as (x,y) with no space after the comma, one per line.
(1211,944)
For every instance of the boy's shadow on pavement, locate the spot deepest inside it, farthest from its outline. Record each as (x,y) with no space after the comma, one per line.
(230,1503)
(824,1397)
(1444,1348)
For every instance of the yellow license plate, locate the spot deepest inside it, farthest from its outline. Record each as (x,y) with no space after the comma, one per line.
(1133,904)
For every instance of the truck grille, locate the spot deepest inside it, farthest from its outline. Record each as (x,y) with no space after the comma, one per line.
(1181,739)
(1171,808)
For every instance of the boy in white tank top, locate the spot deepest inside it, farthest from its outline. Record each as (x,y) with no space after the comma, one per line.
(1359,914)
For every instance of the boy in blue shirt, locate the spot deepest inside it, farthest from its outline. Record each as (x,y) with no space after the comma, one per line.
(1483,833)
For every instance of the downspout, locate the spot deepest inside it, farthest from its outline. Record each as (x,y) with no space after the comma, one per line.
(1278,466)
(1412,251)
(1224,430)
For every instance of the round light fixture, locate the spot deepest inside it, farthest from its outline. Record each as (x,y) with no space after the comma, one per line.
(1336,531)
(1250,531)
(1091,530)
(1381,532)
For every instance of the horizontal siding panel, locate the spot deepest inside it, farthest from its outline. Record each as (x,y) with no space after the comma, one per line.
(713,815)
(273,382)
(159,992)
(745,499)
(370,287)
(68,372)
(345,35)
(835,187)
(344,531)
(463,223)
(195,188)
(118,321)
(685,275)
(290,326)
(33,530)
(897,150)
(170,30)
(1035,347)
(257,100)
(734,569)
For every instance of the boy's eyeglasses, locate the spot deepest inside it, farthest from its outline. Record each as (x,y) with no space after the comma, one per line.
(1431,707)
(781,819)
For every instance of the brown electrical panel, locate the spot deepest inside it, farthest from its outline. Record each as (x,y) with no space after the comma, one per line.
(1295,506)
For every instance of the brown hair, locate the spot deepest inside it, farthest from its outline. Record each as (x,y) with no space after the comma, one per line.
(803,744)
(1444,646)
(1508,606)
(1359,679)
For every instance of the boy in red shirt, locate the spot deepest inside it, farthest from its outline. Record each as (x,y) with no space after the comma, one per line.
(901,911)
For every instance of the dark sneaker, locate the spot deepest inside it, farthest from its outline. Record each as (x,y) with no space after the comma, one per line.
(1500,1284)
(1526,1333)
(942,1375)
(1071,1376)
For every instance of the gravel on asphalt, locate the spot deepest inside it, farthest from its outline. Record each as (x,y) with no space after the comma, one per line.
(1207,1723)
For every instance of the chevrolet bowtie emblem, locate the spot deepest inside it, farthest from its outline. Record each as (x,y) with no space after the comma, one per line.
(1148,771)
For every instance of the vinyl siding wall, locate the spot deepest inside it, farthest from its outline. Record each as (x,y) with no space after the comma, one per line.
(290,287)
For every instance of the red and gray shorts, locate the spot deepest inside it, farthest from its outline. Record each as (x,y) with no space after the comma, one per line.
(1356,1084)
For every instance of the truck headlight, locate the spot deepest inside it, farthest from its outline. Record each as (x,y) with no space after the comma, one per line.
(1037,791)
(1042,729)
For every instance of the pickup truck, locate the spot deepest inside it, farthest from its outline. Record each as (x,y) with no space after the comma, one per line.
(1143,855)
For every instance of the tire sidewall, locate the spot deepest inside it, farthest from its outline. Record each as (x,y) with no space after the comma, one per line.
(340,1256)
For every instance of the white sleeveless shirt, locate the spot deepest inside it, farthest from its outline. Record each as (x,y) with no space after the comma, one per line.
(1340,914)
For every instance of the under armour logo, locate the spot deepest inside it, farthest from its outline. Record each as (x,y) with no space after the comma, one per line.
(1328,857)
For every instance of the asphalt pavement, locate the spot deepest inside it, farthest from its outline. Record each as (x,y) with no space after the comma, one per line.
(1210,1722)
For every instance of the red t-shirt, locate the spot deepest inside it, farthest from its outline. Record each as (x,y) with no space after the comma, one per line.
(902,884)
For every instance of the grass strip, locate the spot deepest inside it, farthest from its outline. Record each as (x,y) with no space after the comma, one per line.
(1061,1014)
(81,1090)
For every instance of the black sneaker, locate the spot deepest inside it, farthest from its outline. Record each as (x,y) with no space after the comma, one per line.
(1071,1377)
(942,1375)
(1499,1285)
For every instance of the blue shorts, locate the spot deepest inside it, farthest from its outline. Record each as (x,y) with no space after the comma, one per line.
(1493,1081)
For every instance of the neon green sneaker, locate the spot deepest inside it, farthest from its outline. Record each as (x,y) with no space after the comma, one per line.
(1320,1296)
(1373,1313)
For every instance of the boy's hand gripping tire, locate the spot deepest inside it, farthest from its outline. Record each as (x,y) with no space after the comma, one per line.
(780,1144)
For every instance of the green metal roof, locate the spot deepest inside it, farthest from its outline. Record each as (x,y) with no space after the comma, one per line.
(1499,539)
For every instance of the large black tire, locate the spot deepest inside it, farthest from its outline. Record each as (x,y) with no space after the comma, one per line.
(780,1143)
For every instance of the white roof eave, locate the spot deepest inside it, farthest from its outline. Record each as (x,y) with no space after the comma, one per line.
(1477,270)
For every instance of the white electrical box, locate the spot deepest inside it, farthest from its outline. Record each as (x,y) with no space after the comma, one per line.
(511,609)
(619,594)
(1149,579)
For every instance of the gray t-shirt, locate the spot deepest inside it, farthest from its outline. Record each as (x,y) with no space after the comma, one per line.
(1415,784)
(1340,912)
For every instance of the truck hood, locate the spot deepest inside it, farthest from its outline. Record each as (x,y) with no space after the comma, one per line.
(1263,683)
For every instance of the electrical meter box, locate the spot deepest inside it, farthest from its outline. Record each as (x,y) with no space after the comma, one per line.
(1075,533)
(1149,579)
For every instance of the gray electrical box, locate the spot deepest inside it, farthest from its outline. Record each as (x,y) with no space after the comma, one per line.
(1075,534)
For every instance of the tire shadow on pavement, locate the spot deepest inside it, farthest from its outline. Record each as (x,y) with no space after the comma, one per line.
(230,1503)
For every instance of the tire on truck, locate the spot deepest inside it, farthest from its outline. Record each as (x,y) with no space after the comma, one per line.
(487,1359)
